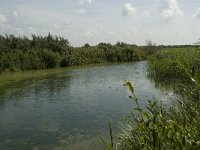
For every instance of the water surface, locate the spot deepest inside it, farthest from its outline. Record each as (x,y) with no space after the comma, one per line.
(64,108)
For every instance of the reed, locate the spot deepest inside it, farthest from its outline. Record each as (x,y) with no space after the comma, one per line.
(159,127)
(167,63)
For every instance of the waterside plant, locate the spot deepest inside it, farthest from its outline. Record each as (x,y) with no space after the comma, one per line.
(159,127)
(42,52)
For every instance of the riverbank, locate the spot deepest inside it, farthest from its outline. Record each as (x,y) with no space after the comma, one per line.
(22,53)
(173,63)
(65,107)
(158,126)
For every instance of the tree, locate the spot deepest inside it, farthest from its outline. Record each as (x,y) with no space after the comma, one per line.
(150,47)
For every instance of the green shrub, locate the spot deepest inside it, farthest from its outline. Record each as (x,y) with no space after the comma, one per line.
(166,63)
(158,127)
(22,53)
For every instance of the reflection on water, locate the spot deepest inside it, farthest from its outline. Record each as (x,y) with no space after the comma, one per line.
(63,108)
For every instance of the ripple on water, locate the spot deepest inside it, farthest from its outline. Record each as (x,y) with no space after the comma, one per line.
(64,108)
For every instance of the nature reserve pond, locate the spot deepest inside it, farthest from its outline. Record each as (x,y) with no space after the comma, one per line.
(60,109)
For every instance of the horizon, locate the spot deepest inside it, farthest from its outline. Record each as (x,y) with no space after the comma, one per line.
(154,44)
(165,22)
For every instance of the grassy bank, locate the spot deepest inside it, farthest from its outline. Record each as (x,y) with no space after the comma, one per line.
(172,63)
(37,52)
(157,126)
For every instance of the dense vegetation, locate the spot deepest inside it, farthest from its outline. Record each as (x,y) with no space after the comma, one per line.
(166,127)
(154,127)
(157,127)
(22,53)
(173,63)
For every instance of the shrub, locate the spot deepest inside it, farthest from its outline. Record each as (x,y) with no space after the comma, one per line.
(158,127)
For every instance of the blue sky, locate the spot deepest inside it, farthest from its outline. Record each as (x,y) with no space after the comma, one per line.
(93,21)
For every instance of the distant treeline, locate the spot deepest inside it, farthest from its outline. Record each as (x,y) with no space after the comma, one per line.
(178,46)
(37,52)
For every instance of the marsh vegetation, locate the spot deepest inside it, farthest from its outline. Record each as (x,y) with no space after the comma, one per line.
(155,124)
(37,52)
(159,126)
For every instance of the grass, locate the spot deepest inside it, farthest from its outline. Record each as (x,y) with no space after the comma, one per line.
(159,127)
(21,53)
(169,63)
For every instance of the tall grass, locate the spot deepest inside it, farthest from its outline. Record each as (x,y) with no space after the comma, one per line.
(167,63)
(158,127)
(22,53)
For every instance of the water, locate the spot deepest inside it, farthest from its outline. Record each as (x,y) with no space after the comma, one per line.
(65,108)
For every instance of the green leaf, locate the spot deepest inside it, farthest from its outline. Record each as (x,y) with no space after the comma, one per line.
(130,87)
(137,109)
(146,115)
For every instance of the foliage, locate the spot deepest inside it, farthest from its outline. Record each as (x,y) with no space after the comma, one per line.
(150,47)
(167,63)
(37,52)
(158,127)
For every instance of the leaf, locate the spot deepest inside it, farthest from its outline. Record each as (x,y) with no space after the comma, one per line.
(137,109)
(130,87)
(146,115)
(111,134)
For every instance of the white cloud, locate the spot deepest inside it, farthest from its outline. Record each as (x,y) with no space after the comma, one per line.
(128,9)
(81,11)
(168,8)
(133,32)
(21,12)
(91,33)
(146,14)
(11,29)
(32,30)
(197,14)
(15,13)
(86,1)
(62,25)
(110,33)
(3,19)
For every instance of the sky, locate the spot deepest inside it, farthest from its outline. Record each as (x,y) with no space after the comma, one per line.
(165,22)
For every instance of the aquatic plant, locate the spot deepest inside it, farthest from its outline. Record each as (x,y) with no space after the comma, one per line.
(167,63)
(159,127)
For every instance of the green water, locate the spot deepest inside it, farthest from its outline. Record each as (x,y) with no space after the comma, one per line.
(62,109)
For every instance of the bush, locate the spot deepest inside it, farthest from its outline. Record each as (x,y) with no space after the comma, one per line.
(167,63)
(158,127)
(21,53)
